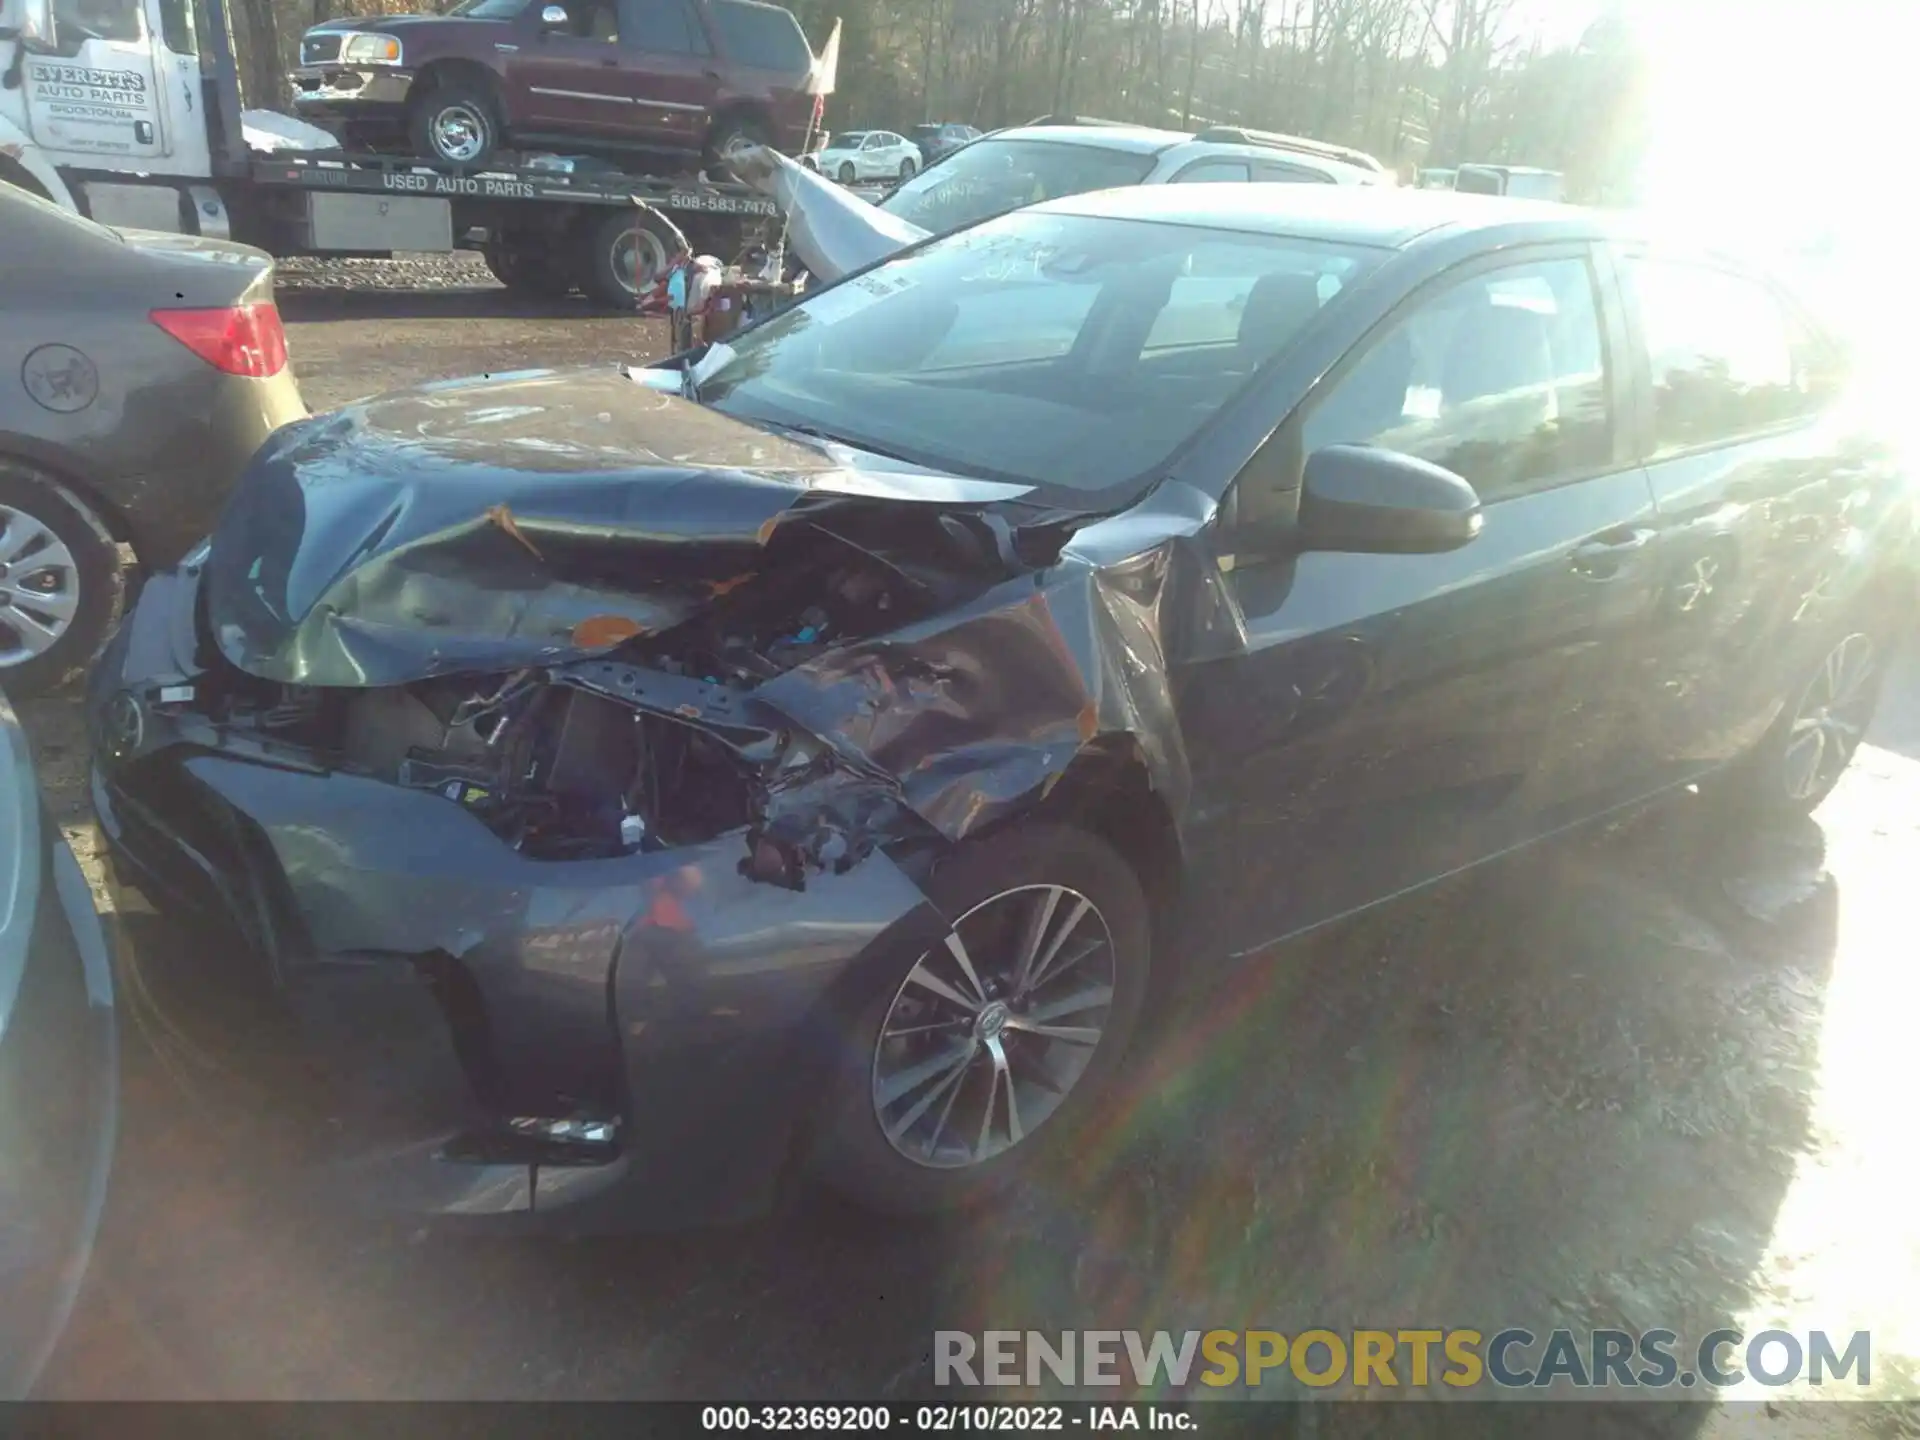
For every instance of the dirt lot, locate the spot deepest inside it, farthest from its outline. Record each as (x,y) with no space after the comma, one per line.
(1655,1078)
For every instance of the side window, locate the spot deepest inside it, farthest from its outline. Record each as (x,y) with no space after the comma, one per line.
(176,27)
(1720,351)
(1500,378)
(601,20)
(1290,173)
(875,141)
(669,26)
(76,20)
(1203,172)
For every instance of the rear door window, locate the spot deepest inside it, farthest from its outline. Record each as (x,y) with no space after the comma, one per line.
(1290,174)
(1720,350)
(1214,172)
(992,177)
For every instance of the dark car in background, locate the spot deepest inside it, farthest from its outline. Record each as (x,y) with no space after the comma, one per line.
(806,751)
(138,373)
(579,76)
(936,142)
(59,1071)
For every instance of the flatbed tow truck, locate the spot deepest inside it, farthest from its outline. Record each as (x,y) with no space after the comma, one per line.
(129,112)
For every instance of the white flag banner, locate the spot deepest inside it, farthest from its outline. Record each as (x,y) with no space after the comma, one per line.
(826,65)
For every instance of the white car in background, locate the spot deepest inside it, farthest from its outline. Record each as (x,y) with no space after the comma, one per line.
(868,155)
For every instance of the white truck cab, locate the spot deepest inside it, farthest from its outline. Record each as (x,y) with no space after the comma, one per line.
(106,97)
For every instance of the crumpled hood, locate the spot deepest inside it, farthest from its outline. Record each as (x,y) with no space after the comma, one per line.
(832,231)
(517,520)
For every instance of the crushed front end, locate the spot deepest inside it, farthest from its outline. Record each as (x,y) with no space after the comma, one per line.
(578,928)
(569,756)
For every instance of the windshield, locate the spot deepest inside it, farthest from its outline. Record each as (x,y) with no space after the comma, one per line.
(1068,352)
(489,9)
(991,176)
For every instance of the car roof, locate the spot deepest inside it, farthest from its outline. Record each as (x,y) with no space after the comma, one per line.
(1385,217)
(1147,140)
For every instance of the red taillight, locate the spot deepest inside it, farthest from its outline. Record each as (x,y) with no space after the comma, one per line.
(241,340)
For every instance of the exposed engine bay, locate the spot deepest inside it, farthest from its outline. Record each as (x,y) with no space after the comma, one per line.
(601,758)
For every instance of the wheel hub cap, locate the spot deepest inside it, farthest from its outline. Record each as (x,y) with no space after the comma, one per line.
(457,133)
(990,1031)
(39,587)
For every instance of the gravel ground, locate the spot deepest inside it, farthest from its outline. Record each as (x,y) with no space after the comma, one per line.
(1654,1077)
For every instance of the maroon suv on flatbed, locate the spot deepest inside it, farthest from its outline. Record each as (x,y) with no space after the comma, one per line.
(581,76)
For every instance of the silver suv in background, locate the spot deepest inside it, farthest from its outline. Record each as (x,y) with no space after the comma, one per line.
(831,231)
(1031,163)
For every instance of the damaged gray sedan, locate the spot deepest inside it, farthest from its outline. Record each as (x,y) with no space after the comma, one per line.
(798,754)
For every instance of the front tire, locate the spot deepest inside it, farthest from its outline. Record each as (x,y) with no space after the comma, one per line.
(977,1061)
(61,585)
(847,173)
(455,123)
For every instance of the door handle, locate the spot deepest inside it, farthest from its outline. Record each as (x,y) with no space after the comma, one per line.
(610,61)
(1602,557)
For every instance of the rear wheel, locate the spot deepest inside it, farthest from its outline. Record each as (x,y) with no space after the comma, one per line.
(455,123)
(1799,761)
(527,269)
(625,256)
(907,168)
(730,131)
(60,581)
(978,1059)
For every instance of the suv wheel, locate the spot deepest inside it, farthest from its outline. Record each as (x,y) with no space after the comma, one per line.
(729,131)
(454,123)
(60,581)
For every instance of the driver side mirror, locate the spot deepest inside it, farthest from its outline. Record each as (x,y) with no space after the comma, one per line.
(1362,499)
(37,25)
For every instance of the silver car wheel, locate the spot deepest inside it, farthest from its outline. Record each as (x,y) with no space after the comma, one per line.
(39,587)
(1832,716)
(991,1031)
(459,132)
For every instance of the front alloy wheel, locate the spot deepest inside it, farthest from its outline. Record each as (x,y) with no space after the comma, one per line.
(990,1032)
(973,1063)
